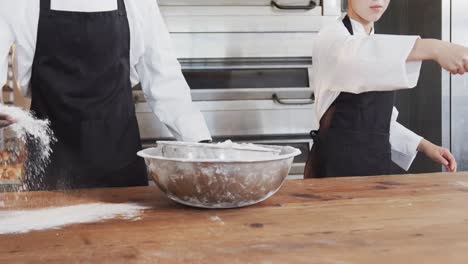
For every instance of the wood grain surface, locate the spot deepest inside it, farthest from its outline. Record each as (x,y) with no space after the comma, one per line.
(391,219)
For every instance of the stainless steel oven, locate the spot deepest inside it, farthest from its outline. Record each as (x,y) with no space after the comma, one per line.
(248,63)
(257,101)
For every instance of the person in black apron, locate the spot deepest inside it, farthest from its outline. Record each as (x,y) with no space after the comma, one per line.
(81,83)
(354,135)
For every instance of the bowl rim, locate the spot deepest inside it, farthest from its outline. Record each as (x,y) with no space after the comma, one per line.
(239,146)
(295,152)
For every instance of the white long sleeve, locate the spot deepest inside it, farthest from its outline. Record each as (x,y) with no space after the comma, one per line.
(360,63)
(404,143)
(152,61)
(171,102)
(371,63)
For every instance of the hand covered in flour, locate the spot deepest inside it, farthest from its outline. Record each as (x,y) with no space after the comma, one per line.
(438,154)
(6,120)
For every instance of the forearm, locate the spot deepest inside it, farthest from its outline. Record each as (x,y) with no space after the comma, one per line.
(425,145)
(438,154)
(425,49)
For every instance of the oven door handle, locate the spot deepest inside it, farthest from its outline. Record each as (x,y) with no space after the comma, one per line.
(310,6)
(283,102)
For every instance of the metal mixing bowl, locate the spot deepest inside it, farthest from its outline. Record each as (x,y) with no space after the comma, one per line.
(220,151)
(219,182)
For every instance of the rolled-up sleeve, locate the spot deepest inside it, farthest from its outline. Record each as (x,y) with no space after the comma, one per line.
(360,64)
(404,143)
(163,83)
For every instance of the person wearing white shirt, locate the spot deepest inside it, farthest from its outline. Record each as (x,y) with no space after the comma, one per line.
(357,73)
(78,60)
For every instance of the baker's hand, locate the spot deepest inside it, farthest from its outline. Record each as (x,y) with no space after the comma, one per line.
(452,57)
(438,154)
(6,120)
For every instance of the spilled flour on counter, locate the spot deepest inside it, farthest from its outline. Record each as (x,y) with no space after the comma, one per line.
(461,183)
(217,219)
(16,222)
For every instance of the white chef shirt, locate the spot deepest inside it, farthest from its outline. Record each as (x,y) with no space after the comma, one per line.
(361,63)
(152,60)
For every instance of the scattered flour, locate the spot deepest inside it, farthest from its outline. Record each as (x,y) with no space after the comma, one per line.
(35,134)
(27,124)
(14,222)
(461,183)
(217,219)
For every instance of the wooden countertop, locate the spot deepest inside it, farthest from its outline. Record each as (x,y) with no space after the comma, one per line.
(392,219)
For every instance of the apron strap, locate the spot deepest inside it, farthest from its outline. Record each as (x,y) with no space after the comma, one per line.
(122,9)
(348,25)
(45,5)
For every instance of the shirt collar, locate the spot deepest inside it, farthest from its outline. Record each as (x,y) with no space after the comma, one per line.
(358,28)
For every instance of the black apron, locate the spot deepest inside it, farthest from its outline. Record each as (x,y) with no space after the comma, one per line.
(354,135)
(81,83)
